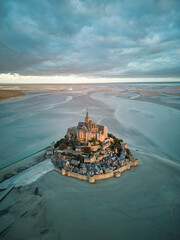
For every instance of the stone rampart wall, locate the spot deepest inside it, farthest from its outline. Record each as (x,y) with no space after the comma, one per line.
(134,163)
(124,168)
(97,177)
(77,175)
(104,176)
(57,169)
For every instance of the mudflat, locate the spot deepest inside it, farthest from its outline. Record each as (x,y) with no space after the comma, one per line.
(143,203)
(5,94)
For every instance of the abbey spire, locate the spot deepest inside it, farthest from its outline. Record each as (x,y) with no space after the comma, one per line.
(87,116)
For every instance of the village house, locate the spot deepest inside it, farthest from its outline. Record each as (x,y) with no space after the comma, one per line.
(75,162)
(49,151)
(90,159)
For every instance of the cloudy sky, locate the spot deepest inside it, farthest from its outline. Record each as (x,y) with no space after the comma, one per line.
(87,39)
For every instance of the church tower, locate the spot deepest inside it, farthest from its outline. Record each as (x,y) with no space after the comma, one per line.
(87,116)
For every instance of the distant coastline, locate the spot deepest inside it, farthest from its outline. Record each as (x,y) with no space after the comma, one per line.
(6,94)
(28,85)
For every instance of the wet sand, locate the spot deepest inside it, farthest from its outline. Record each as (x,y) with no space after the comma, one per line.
(21,165)
(5,94)
(142,204)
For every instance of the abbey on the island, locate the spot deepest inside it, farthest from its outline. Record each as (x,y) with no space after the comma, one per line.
(89,152)
(90,129)
(87,130)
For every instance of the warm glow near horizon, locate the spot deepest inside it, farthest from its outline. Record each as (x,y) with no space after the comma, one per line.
(18,79)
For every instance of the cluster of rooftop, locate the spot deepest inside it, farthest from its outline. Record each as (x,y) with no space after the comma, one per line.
(89,152)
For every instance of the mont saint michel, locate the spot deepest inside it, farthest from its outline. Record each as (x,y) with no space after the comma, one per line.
(89,152)
(41,203)
(88,91)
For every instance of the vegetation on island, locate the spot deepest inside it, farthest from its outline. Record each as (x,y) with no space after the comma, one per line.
(115,147)
(128,151)
(87,149)
(61,144)
(111,135)
(94,141)
(93,157)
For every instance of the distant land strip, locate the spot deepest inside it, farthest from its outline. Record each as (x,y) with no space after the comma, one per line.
(5,94)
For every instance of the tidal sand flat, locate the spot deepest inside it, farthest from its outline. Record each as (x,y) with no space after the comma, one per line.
(32,123)
(5,94)
(152,126)
(142,204)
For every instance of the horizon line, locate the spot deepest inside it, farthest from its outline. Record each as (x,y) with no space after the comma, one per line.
(91,83)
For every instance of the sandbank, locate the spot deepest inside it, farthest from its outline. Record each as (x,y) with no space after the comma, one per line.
(144,200)
(5,94)
(142,204)
(21,165)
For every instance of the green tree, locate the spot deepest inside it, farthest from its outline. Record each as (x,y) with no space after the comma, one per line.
(87,150)
(62,140)
(112,147)
(128,151)
(62,146)
(81,159)
(94,141)
(75,143)
(111,135)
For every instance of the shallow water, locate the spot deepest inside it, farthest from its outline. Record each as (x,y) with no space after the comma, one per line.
(142,204)
(31,123)
(29,175)
(145,125)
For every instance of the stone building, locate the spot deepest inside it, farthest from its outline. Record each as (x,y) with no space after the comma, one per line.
(87,130)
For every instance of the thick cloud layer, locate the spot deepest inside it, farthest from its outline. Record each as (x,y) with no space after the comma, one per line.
(102,38)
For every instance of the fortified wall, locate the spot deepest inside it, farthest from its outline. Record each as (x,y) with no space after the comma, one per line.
(98,177)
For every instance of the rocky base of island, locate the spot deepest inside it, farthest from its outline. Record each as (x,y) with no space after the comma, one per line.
(93,160)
